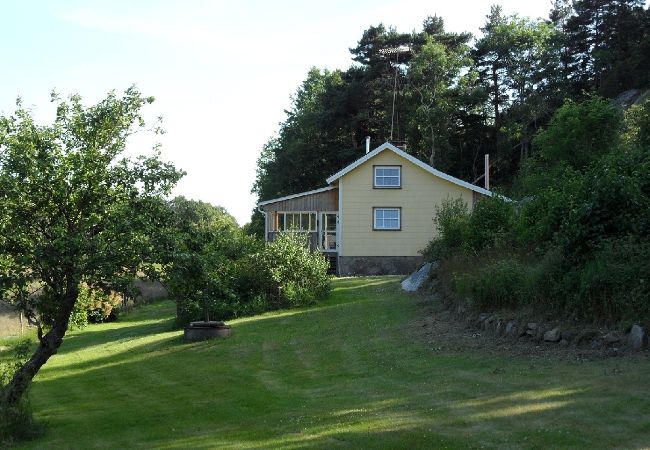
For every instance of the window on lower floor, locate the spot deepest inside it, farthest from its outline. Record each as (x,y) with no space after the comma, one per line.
(387,218)
(296,221)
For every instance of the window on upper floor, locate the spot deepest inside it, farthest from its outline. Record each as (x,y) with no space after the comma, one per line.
(386,177)
(387,219)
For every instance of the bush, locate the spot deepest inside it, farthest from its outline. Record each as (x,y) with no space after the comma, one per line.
(298,275)
(503,284)
(283,274)
(490,223)
(451,224)
(95,306)
(17,422)
(613,285)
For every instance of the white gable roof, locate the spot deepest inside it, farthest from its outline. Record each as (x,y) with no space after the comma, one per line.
(300,194)
(417,162)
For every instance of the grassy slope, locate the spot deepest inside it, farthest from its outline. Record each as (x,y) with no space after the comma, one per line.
(350,373)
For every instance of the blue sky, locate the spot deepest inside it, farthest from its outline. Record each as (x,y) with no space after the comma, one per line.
(222,72)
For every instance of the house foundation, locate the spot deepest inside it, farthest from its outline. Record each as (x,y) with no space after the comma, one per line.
(377,265)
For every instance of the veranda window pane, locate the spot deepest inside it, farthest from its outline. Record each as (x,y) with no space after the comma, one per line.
(304,222)
(290,221)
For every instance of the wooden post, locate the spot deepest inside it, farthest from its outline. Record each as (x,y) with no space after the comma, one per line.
(487,171)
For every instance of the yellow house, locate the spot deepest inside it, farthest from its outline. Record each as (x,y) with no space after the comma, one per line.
(374,216)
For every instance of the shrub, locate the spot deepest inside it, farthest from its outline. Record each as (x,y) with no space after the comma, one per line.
(292,274)
(451,222)
(613,285)
(283,274)
(16,422)
(94,305)
(490,222)
(503,284)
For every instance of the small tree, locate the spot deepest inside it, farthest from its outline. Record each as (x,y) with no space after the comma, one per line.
(72,211)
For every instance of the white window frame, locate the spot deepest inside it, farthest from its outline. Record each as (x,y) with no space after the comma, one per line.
(312,227)
(387,186)
(386,208)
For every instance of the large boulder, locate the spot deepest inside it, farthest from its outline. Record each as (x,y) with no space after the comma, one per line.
(636,338)
(417,278)
(553,335)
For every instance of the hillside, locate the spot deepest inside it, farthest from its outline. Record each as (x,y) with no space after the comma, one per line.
(369,368)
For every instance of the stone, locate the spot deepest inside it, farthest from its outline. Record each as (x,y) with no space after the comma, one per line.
(418,278)
(568,335)
(596,344)
(636,338)
(612,337)
(586,336)
(511,328)
(553,335)
(483,316)
(532,326)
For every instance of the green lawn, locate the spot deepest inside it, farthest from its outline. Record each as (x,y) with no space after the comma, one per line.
(354,372)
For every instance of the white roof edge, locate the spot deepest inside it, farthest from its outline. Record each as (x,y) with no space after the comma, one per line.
(300,194)
(414,160)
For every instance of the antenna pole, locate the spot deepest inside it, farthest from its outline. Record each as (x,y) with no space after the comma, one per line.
(392,117)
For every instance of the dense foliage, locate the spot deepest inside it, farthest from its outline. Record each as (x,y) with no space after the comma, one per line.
(210,263)
(580,244)
(458,99)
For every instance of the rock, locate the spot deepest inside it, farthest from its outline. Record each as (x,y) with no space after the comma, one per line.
(586,336)
(511,328)
(481,318)
(417,278)
(636,338)
(532,326)
(612,337)
(568,335)
(596,344)
(553,335)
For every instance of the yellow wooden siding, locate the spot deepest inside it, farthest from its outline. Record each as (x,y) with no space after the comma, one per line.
(419,194)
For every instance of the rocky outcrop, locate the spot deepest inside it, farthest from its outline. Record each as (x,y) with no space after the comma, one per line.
(612,342)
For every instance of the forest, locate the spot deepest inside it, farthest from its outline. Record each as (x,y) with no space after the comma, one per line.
(458,96)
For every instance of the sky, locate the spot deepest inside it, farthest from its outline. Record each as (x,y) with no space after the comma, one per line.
(222,72)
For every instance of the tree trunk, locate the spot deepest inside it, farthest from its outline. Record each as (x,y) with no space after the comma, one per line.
(48,346)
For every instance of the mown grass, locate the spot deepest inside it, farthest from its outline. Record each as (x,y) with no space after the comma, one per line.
(350,373)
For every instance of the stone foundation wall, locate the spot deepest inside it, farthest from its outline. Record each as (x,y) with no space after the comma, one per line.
(377,265)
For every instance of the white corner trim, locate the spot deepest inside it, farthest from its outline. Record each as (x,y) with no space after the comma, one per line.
(300,194)
(414,160)
(339,230)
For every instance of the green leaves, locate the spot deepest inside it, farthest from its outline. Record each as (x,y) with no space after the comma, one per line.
(72,209)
